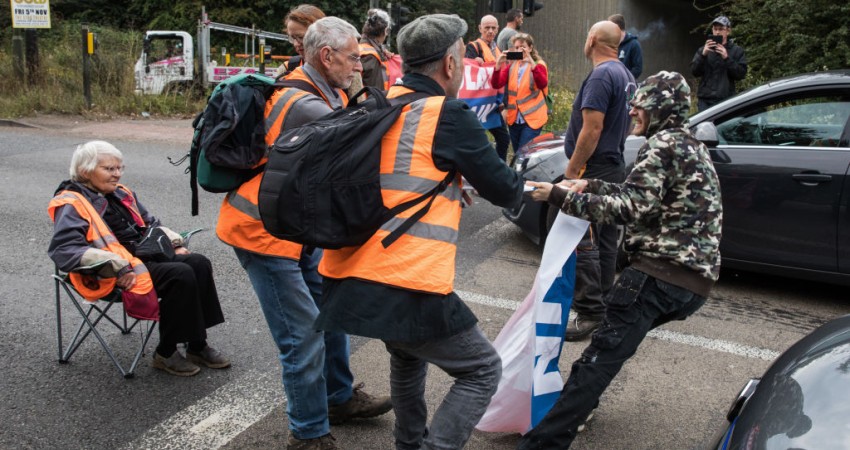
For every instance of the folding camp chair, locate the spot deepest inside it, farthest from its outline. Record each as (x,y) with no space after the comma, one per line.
(98,311)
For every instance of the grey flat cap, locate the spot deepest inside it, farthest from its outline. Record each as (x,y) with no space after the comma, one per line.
(427,38)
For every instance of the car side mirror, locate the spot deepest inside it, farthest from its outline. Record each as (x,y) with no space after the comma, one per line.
(706,133)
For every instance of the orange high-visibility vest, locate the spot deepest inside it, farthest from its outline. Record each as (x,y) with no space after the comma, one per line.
(423,258)
(486,54)
(100,236)
(524,96)
(366,49)
(239,224)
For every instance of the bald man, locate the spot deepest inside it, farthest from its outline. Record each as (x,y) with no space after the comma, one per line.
(594,143)
(483,50)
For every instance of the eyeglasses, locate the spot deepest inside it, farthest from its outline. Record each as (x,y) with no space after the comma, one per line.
(296,39)
(114,169)
(353,58)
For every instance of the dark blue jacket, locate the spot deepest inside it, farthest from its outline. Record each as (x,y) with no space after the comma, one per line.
(631,54)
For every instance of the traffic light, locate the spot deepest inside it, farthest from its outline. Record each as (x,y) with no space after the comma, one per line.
(529,6)
(400,16)
(501,6)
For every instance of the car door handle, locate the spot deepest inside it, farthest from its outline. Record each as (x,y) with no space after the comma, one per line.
(811,179)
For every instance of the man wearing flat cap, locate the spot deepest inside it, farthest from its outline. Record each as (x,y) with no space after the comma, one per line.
(404,294)
(719,63)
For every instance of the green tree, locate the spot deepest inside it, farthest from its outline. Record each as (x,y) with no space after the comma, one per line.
(786,37)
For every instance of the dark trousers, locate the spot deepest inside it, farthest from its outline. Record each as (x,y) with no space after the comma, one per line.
(188,298)
(596,254)
(503,140)
(637,304)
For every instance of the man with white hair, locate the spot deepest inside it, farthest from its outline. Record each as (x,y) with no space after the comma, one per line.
(404,294)
(316,375)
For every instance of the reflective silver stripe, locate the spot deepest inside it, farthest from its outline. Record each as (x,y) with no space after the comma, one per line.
(278,106)
(140,269)
(535,107)
(511,106)
(243,204)
(98,243)
(510,92)
(417,185)
(424,230)
(404,152)
(527,99)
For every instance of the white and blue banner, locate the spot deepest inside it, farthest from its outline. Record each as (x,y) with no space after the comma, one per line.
(530,342)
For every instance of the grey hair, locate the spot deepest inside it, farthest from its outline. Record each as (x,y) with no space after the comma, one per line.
(85,158)
(330,32)
(428,69)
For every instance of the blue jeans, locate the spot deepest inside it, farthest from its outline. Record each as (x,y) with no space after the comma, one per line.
(522,134)
(315,363)
(471,360)
(636,304)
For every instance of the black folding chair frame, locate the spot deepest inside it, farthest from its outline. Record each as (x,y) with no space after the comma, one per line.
(88,325)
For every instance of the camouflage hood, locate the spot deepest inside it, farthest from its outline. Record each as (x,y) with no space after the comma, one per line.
(666,99)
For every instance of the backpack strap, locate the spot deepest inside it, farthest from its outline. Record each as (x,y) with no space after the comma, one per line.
(430,195)
(298,84)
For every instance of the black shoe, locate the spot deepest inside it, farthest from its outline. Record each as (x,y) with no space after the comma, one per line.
(580,328)
(326,442)
(361,406)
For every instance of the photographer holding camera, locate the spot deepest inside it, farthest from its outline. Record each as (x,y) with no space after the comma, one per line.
(527,78)
(719,63)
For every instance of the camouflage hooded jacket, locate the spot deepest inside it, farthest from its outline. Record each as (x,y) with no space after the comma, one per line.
(670,202)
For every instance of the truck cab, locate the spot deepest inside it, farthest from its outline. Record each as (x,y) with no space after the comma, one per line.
(166,62)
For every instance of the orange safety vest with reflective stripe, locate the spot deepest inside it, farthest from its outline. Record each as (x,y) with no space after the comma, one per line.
(486,54)
(423,258)
(100,236)
(366,49)
(524,96)
(239,224)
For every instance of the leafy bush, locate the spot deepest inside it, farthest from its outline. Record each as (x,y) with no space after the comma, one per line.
(59,88)
(787,37)
(562,101)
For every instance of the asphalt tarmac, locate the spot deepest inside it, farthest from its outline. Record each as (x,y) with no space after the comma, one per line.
(672,395)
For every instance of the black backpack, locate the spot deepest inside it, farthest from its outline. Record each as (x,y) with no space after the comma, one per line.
(321,185)
(229,139)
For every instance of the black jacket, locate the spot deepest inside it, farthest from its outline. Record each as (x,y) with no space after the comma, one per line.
(718,76)
(390,313)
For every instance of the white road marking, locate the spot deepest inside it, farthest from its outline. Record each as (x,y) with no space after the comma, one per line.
(216,419)
(658,333)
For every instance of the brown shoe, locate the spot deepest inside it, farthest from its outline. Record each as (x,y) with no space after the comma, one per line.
(580,328)
(175,365)
(326,442)
(361,406)
(209,357)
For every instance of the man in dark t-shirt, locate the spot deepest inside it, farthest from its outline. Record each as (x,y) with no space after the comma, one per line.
(594,143)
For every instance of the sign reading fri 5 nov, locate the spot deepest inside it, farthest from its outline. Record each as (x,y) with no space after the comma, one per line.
(30,13)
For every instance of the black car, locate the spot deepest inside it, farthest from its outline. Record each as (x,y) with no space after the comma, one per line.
(801,402)
(782,153)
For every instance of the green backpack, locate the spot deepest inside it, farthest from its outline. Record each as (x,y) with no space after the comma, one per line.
(229,139)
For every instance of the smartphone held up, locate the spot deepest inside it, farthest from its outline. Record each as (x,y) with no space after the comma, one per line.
(513,56)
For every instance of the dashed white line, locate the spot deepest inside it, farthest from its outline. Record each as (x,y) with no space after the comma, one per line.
(658,333)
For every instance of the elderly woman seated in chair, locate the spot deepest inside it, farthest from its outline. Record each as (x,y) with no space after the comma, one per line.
(98,221)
